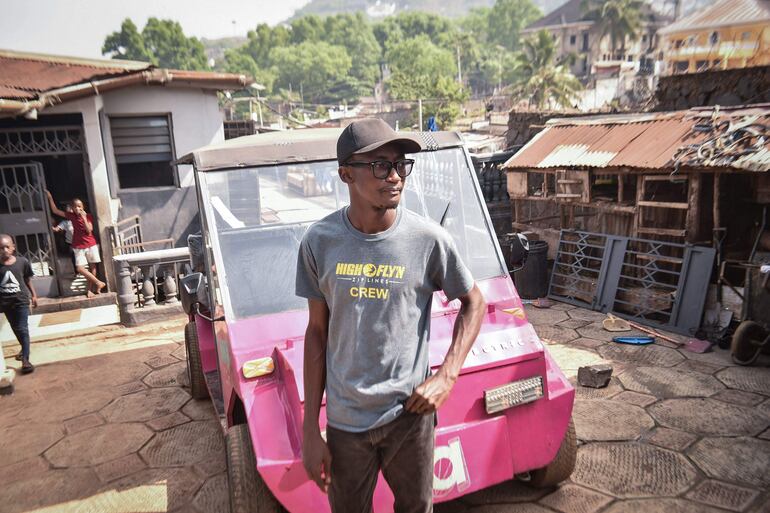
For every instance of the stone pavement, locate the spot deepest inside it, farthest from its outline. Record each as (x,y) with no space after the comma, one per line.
(108,426)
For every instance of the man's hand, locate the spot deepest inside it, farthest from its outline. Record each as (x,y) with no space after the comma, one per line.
(317,461)
(431,394)
(33,301)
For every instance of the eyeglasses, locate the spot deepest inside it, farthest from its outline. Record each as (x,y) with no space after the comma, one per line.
(381,168)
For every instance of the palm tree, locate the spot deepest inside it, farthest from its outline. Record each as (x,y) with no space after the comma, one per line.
(619,19)
(543,80)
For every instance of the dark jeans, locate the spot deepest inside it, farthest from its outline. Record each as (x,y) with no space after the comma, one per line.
(402,449)
(18,318)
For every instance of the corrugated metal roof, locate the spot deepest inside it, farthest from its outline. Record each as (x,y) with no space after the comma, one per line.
(721,14)
(22,75)
(26,76)
(645,141)
(571,12)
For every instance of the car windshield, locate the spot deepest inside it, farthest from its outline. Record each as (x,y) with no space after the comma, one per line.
(258,216)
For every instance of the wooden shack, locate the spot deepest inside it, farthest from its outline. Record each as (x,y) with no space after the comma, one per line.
(697,176)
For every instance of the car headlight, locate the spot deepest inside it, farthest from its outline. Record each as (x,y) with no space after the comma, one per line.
(513,394)
(258,367)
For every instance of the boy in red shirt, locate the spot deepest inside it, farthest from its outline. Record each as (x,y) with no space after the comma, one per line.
(84,243)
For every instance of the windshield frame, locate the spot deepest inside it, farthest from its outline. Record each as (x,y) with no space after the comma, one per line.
(208,223)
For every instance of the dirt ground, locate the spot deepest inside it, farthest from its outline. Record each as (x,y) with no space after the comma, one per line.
(105,424)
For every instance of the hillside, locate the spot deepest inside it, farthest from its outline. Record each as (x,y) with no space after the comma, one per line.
(377,9)
(380,9)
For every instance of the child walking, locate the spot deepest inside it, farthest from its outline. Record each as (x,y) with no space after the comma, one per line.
(16,294)
(84,243)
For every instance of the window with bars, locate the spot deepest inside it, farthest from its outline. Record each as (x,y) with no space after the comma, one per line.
(144,151)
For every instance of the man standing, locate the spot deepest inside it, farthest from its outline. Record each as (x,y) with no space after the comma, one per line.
(369,272)
(16,294)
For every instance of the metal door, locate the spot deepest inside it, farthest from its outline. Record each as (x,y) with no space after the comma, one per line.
(24,215)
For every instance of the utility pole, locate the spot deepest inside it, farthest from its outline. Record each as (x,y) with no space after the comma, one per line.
(459,68)
(419,110)
(499,73)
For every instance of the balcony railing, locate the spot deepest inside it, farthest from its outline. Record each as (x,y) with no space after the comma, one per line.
(150,278)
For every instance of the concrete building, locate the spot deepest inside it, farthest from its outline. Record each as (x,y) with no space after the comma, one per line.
(105,131)
(578,35)
(727,35)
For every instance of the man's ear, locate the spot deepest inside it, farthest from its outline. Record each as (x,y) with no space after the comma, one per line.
(345,175)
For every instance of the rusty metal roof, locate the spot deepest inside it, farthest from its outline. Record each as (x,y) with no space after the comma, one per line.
(650,141)
(723,13)
(26,76)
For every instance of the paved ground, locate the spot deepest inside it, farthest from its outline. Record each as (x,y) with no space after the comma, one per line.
(116,431)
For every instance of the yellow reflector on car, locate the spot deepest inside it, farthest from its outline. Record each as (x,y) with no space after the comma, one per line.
(258,367)
(513,394)
(516,312)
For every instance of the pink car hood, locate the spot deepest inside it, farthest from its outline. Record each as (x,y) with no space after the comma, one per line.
(504,338)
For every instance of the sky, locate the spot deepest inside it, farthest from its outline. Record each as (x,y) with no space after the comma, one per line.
(79,27)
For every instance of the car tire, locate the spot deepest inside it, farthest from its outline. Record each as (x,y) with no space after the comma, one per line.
(198,388)
(562,465)
(747,342)
(248,493)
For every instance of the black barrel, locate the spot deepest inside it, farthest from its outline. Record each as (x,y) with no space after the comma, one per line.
(532,280)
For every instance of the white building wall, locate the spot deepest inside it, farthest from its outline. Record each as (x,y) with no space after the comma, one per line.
(166,212)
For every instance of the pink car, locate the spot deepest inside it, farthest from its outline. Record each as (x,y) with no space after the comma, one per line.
(509,415)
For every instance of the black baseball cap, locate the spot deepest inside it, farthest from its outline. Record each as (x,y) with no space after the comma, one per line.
(369,134)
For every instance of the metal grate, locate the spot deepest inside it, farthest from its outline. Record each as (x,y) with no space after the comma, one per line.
(23,214)
(25,142)
(657,283)
(577,268)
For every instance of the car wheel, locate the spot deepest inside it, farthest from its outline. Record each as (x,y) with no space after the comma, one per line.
(562,465)
(248,493)
(195,376)
(747,342)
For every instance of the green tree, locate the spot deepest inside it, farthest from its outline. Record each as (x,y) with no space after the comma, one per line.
(263,39)
(128,43)
(313,66)
(416,64)
(166,40)
(307,28)
(161,42)
(507,18)
(238,60)
(450,97)
(353,32)
(410,24)
(619,19)
(421,69)
(542,81)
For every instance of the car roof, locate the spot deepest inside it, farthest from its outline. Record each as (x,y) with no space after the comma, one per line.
(289,146)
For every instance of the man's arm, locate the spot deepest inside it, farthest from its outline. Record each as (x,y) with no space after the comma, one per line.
(434,391)
(54,209)
(315,454)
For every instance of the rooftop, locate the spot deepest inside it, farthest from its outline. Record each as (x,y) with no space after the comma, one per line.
(571,13)
(34,81)
(663,140)
(723,13)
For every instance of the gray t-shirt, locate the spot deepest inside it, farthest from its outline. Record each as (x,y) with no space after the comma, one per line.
(378,289)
